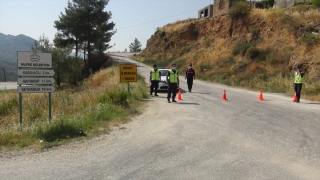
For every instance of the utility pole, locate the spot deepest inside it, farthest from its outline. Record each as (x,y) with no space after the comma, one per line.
(4,72)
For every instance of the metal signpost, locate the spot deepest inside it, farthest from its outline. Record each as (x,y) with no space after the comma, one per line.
(35,73)
(128,73)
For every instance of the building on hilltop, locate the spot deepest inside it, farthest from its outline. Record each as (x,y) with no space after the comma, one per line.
(289,3)
(206,12)
(221,7)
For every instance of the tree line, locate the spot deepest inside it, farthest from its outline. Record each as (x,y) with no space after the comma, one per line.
(83,28)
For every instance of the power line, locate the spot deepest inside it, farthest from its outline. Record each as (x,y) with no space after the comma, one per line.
(157,20)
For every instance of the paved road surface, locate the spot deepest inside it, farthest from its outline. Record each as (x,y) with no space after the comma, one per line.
(8,85)
(200,137)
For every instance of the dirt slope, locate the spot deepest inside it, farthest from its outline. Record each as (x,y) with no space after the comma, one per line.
(283,39)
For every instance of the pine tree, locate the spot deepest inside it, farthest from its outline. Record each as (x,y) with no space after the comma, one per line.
(86,22)
(135,46)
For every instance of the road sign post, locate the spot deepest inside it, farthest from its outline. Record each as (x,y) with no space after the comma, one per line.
(35,74)
(128,73)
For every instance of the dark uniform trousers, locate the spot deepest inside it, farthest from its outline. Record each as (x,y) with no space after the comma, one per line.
(297,89)
(155,85)
(172,89)
(189,82)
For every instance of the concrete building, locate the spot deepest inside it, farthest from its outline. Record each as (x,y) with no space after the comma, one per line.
(206,12)
(221,7)
(289,3)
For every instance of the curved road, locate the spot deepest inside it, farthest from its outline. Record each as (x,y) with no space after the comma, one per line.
(200,137)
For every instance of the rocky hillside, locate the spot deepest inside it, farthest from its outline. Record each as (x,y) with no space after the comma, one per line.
(265,43)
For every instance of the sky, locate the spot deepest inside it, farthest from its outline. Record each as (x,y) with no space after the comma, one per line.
(133,18)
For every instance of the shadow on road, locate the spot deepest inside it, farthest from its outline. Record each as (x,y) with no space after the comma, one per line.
(187,103)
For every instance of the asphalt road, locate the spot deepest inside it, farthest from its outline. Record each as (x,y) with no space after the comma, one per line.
(200,137)
(8,85)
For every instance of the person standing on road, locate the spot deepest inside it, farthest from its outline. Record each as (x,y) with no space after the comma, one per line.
(172,79)
(155,76)
(298,78)
(190,76)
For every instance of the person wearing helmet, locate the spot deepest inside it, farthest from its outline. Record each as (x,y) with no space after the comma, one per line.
(190,76)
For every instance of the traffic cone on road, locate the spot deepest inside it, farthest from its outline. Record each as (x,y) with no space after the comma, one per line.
(295,97)
(179,95)
(224,97)
(261,96)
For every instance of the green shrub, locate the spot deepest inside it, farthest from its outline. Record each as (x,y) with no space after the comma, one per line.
(106,112)
(241,48)
(252,53)
(316,3)
(310,39)
(60,130)
(6,107)
(267,3)
(204,67)
(162,34)
(120,98)
(239,10)
(282,57)
(206,43)
(240,66)
(184,50)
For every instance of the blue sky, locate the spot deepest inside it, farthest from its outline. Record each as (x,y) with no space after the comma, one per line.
(133,18)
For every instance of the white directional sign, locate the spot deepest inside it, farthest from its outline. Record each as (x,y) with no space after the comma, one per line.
(35,89)
(34,60)
(35,80)
(35,72)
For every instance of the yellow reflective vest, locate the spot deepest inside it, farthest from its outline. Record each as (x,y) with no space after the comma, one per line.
(173,76)
(155,75)
(298,78)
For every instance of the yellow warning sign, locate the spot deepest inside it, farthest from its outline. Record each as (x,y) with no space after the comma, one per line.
(128,73)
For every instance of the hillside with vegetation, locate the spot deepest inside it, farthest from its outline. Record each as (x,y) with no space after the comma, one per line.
(90,109)
(9,45)
(255,50)
(8,71)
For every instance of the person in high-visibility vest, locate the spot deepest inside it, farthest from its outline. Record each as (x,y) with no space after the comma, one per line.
(298,78)
(172,79)
(155,76)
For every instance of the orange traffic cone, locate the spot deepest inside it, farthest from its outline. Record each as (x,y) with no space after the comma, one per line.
(295,97)
(179,95)
(224,97)
(261,96)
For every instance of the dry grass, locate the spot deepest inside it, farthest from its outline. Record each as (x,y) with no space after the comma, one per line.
(259,13)
(178,25)
(85,109)
(278,42)
(70,101)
